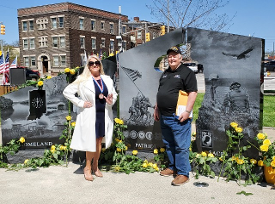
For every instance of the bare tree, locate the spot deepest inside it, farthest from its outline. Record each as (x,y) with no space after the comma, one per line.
(191,13)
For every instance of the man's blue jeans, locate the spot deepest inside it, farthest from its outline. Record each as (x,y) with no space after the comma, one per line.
(177,138)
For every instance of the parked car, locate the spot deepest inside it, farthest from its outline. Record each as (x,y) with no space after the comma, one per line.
(31,74)
(192,66)
(270,66)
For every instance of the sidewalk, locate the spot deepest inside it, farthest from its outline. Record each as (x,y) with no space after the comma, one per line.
(58,184)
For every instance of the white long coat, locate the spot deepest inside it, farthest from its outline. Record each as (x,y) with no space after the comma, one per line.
(84,137)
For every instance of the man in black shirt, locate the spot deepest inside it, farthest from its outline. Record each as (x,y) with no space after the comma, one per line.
(176,130)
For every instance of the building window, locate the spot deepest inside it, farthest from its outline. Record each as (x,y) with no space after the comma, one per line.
(61,22)
(59,61)
(26,61)
(56,61)
(111,28)
(102,25)
(139,34)
(54,23)
(25,44)
(55,41)
(32,61)
(24,26)
(42,23)
(112,45)
(93,25)
(82,42)
(81,24)
(62,61)
(102,42)
(93,43)
(43,41)
(32,43)
(31,28)
(62,41)
(123,29)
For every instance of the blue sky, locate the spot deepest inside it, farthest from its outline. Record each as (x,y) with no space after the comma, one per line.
(253,17)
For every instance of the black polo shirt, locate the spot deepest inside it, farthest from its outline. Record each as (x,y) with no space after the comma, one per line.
(170,83)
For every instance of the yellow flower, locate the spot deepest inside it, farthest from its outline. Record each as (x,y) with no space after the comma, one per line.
(22,139)
(53,147)
(198,155)
(238,129)
(273,158)
(73,124)
(62,147)
(155,166)
(68,118)
(261,136)
(116,139)
(156,151)
(266,142)
(40,83)
(117,168)
(150,164)
(77,67)
(111,54)
(234,158)
(125,148)
(145,161)
(121,122)
(210,155)
(253,161)
(220,158)
(144,165)
(49,77)
(157,169)
(260,163)
(67,70)
(194,134)
(264,148)
(240,161)
(272,163)
(162,150)
(203,154)
(118,149)
(190,149)
(103,149)
(26,161)
(72,72)
(52,151)
(134,152)
(234,124)
(117,120)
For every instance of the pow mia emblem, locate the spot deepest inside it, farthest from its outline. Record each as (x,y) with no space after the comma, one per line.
(37,102)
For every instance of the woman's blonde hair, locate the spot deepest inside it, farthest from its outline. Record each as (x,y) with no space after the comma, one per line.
(86,72)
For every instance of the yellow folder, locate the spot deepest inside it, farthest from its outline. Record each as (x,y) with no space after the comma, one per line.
(182,103)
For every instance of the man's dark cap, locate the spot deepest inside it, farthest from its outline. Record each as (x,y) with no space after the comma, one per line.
(235,85)
(174,49)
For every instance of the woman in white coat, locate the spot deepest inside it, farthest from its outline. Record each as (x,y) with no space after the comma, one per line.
(95,118)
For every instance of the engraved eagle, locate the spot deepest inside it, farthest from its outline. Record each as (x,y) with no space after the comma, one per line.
(245,54)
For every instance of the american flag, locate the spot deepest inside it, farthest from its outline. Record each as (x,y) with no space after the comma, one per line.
(6,74)
(14,63)
(2,64)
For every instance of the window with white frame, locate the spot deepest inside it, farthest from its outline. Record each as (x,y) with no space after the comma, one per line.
(42,23)
(56,61)
(54,23)
(32,58)
(124,29)
(26,61)
(93,43)
(93,25)
(82,42)
(31,28)
(112,45)
(24,26)
(43,41)
(102,23)
(103,42)
(62,60)
(61,22)
(59,60)
(32,43)
(139,34)
(25,44)
(62,41)
(81,23)
(55,41)
(111,28)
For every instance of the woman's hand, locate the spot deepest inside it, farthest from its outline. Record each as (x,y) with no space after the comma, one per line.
(109,99)
(87,104)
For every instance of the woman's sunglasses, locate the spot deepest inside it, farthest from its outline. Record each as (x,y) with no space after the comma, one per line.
(92,63)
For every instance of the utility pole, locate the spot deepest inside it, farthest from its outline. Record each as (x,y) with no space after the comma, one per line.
(168,14)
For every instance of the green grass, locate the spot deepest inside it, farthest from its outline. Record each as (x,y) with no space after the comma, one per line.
(268,113)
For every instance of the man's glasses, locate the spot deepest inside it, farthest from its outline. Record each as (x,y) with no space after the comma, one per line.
(92,63)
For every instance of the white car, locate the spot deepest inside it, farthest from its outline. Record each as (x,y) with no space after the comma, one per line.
(192,66)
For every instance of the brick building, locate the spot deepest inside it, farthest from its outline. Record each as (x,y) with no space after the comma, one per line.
(53,37)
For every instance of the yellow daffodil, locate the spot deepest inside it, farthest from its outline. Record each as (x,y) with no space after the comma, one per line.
(117,168)
(266,142)
(162,150)
(121,122)
(234,124)
(22,139)
(73,124)
(155,166)
(118,149)
(220,158)
(264,148)
(117,140)
(26,161)
(203,154)
(144,165)
(125,148)
(210,155)
(145,161)
(49,77)
(117,120)
(156,151)
(134,152)
(67,70)
(260,163)
(62,147)
(72,72)
(234,158)
(261,136)
(40,83)
(238,129)
(77,67)
(272,163)
(68,118)
(240,161)
(53,147)
(273,158)
(150,164)
(253,161)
